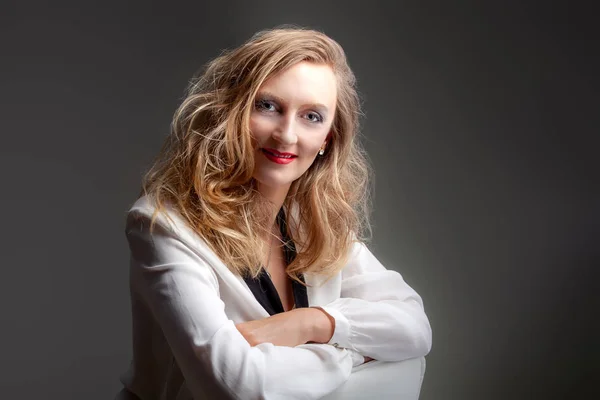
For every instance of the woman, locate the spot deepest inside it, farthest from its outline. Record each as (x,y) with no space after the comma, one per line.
(248,276)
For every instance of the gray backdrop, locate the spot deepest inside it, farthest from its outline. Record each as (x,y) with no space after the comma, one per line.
(480,124)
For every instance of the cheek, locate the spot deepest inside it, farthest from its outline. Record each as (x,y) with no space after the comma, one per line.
(254,129)
(260,127)
(316,140)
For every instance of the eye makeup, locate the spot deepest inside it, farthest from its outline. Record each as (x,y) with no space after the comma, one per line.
(265,99)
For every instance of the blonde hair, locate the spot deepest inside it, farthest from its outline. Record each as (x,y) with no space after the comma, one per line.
(204,170)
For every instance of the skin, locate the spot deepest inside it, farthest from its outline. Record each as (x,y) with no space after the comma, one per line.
(293,113)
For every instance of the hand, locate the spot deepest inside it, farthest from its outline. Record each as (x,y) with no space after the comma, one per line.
(290,328)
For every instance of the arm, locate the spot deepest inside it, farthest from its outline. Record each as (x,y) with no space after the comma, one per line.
(293,328)
(182,292)
(378,314)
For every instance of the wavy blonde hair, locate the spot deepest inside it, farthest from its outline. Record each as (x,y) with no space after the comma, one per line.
(204,170)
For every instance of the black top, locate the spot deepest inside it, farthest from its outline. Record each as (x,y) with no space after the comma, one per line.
(262,287)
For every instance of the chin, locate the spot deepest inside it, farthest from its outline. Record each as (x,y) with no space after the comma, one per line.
(274,180)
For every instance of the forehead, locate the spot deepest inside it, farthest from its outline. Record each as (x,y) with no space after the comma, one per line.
(304,83)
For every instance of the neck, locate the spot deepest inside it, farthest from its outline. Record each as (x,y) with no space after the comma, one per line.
(276,196)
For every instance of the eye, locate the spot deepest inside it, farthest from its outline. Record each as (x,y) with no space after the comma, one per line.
(314,117)
(265,105)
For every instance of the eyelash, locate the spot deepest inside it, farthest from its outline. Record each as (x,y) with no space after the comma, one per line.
(259,105)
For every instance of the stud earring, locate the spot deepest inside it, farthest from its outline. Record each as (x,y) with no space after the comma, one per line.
(321,152)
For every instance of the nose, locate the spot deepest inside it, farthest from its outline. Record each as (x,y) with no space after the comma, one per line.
(285,132)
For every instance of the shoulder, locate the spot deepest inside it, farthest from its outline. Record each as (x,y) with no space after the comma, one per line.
(169,230)
(144,206)
(164,239)
(144,210)
(142,217)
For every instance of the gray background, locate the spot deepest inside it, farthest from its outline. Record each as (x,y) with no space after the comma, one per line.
(481,125)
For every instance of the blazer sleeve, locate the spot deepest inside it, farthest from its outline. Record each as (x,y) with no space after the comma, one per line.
(182,292)
(378,314)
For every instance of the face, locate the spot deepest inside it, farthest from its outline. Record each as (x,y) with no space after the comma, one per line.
(290,122)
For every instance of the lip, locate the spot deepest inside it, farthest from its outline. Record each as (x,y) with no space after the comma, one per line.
(278,157)
(278,153)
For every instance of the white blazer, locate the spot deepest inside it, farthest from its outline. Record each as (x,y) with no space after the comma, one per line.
(185,303)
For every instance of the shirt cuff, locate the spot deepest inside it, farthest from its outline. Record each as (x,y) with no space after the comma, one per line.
(357,358)
(341,332)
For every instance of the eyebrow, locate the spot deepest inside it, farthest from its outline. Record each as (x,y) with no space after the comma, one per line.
(268,95)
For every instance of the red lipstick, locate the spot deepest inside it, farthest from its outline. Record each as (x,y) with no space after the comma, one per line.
(278,157)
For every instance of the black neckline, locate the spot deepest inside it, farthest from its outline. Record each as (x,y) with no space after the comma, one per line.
(263,288)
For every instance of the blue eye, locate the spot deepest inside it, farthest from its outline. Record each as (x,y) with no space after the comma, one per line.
(316,118)
(265,105)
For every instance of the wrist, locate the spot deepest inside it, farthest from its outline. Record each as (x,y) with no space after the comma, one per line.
(322,325)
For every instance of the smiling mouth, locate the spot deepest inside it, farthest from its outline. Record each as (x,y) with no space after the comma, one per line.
(282,159)
(278,155)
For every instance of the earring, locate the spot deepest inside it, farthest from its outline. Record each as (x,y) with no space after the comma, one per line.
(321,152)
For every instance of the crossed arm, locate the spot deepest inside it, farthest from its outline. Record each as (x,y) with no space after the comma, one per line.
(377,315)
(253,359)
(291,328)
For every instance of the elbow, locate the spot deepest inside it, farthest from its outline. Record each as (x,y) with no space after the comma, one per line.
(414,343)
(407,342)
(420,334)
(415,340)
(421,337)
(414,332)
(422,340)
(409,336)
